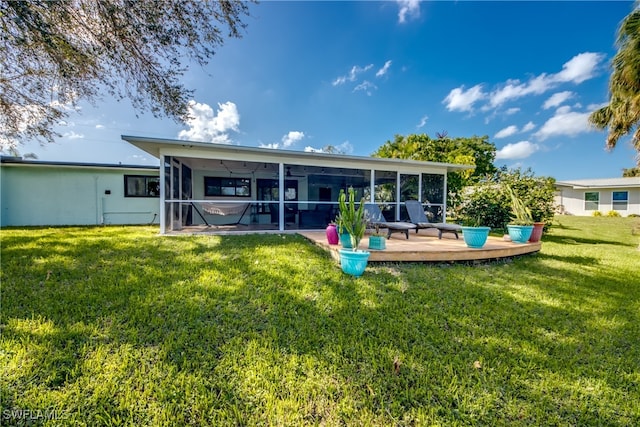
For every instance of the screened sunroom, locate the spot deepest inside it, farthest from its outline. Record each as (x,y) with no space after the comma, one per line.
(215,187)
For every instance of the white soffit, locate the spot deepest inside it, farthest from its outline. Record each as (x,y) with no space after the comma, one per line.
(169,147)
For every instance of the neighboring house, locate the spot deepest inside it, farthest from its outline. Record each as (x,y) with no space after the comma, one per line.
(60,193)
(229,187)
(584,197)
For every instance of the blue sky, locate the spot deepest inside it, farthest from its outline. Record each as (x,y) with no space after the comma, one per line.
(355,74)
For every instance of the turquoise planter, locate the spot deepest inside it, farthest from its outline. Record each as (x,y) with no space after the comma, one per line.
(345,241)
(520,233)
(377,243)
(475,237)
(353,262)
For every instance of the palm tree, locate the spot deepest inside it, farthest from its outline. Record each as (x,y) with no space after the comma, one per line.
(622,114)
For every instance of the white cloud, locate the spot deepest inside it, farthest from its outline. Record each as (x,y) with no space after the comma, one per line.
(291,138)
(508,131)
(352,76)
(366,86)
(581,67)
(206,126)
(594,107)
(423,121)
(528,127)
(355,76)
(513,89)
(287,140)
(513,129)
(310,149)
(512,111)
(557,99)
(408,9)
(461,100)
(519,150)
(382,71)
(99,126)
(273,145)
(72,135)
(564,122)
(344,148)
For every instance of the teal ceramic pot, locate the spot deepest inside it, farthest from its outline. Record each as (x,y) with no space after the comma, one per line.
(353,262)
(520,233)
(345,241)
(475,237)
(377,243)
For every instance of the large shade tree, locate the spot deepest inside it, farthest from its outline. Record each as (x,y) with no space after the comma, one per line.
(622,115)
(476,151)
(55,53)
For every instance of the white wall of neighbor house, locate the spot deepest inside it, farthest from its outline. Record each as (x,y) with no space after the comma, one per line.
(574,201)
(34,195)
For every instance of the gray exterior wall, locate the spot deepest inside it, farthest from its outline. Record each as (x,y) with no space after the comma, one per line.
(34,194)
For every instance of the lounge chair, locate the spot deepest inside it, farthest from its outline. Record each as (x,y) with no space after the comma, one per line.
(420,220)
(375,218)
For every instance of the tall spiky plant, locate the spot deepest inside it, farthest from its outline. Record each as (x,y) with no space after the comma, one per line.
(521,213)
(350,219)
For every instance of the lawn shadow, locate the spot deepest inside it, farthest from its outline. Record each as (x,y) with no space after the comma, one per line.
(575,240)
(573,259)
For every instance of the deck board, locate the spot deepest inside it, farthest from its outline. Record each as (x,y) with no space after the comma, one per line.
(425,247)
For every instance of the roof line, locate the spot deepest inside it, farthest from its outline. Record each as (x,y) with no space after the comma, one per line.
(21,161)
(208,145)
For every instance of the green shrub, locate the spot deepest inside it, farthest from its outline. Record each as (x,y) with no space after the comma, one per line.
(489,202)
(485,204)
(613,213)
(596,213)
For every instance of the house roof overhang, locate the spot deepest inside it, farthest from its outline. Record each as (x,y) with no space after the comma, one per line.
(593,184)
(20,162)
(158,147)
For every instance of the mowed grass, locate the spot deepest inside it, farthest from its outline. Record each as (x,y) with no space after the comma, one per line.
(121,326)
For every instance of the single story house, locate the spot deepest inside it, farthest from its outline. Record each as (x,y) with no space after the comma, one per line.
(584,197)
(205,187)
(229,187)
(62,193)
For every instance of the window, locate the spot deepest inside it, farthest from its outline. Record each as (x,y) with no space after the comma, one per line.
(620,200)
(591,200)
(227,187)
(141,186)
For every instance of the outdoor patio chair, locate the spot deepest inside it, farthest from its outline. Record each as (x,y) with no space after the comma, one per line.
(420,220)
(375,218)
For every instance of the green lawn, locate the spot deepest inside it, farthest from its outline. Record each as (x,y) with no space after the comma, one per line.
(120,326)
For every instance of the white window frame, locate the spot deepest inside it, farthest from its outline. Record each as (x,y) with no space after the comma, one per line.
(617,204)
(586,202)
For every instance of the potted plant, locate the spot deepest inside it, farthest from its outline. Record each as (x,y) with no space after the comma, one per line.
(343,236)
(536,234)
(377,240)
(474,234)
(352,221)
(521,224)
(538,224)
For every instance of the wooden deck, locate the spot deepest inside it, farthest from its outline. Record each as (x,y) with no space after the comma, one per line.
(426,247)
